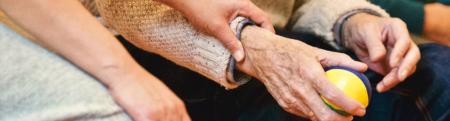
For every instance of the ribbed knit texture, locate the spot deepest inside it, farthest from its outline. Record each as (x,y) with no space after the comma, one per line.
(160,29)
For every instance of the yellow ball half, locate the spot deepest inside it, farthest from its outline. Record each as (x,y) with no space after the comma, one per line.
(353,83)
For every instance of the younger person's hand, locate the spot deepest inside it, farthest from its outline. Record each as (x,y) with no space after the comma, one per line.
(213,17)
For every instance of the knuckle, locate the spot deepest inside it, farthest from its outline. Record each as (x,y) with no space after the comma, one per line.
(154,113)
(398,21)
(230,44)
(283,105)
(180,104)
(342,56)
(329,94)
(245,3)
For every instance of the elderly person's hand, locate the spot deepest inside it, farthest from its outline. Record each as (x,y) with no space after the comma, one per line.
(437,24)
(213,17)
(293,74)
(384,44)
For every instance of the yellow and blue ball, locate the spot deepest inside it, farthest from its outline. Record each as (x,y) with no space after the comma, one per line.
(353,83)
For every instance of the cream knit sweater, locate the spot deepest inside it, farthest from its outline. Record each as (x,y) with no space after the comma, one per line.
(160,29)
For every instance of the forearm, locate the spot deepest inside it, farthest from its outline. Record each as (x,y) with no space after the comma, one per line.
(65,27)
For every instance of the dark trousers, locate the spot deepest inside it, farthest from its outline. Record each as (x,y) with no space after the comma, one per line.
(425,95)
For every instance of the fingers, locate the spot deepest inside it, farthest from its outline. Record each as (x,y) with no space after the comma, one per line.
(321,111)
(408,64)
(179,109)
(335,96)
(374,45)
(326,89)
(257,15)
(297,107)
(225,35)
(405,69)
(389,81)
(185,116)
(339,59)
(400,40)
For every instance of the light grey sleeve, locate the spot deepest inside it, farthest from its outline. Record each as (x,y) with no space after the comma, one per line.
(319,16)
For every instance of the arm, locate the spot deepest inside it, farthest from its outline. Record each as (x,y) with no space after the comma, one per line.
(69,30)
(291,70)
(378,40)
(320,16)
(220,13)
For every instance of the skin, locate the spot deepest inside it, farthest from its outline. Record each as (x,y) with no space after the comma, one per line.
(292,71)
(68,29)
(220,13)
(295,77)
(384,45)
(436,24)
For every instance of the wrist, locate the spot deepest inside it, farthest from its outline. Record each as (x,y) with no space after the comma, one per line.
(121,72)
(341,29)
(255,39)
(247,36)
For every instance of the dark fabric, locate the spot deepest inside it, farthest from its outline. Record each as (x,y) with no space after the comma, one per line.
(208,101)
(410,11)
(446,2)
(425,96)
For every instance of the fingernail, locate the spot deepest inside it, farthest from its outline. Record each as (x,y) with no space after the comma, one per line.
(403,75)
(394,63)
(380,87)
(361,112)
(238,55)
(311,114)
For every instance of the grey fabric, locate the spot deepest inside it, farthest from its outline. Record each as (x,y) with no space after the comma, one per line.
(37,85)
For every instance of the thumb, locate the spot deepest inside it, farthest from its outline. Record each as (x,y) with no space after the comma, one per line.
(339,59)
(226,36)
(257,15)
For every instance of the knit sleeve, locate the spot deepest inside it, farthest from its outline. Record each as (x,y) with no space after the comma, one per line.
(319,16)
(157,28)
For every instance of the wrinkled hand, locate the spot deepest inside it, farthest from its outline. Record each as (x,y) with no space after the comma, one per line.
(146,98)
(384,45)
(293,73)
(437,23)
(213,17)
